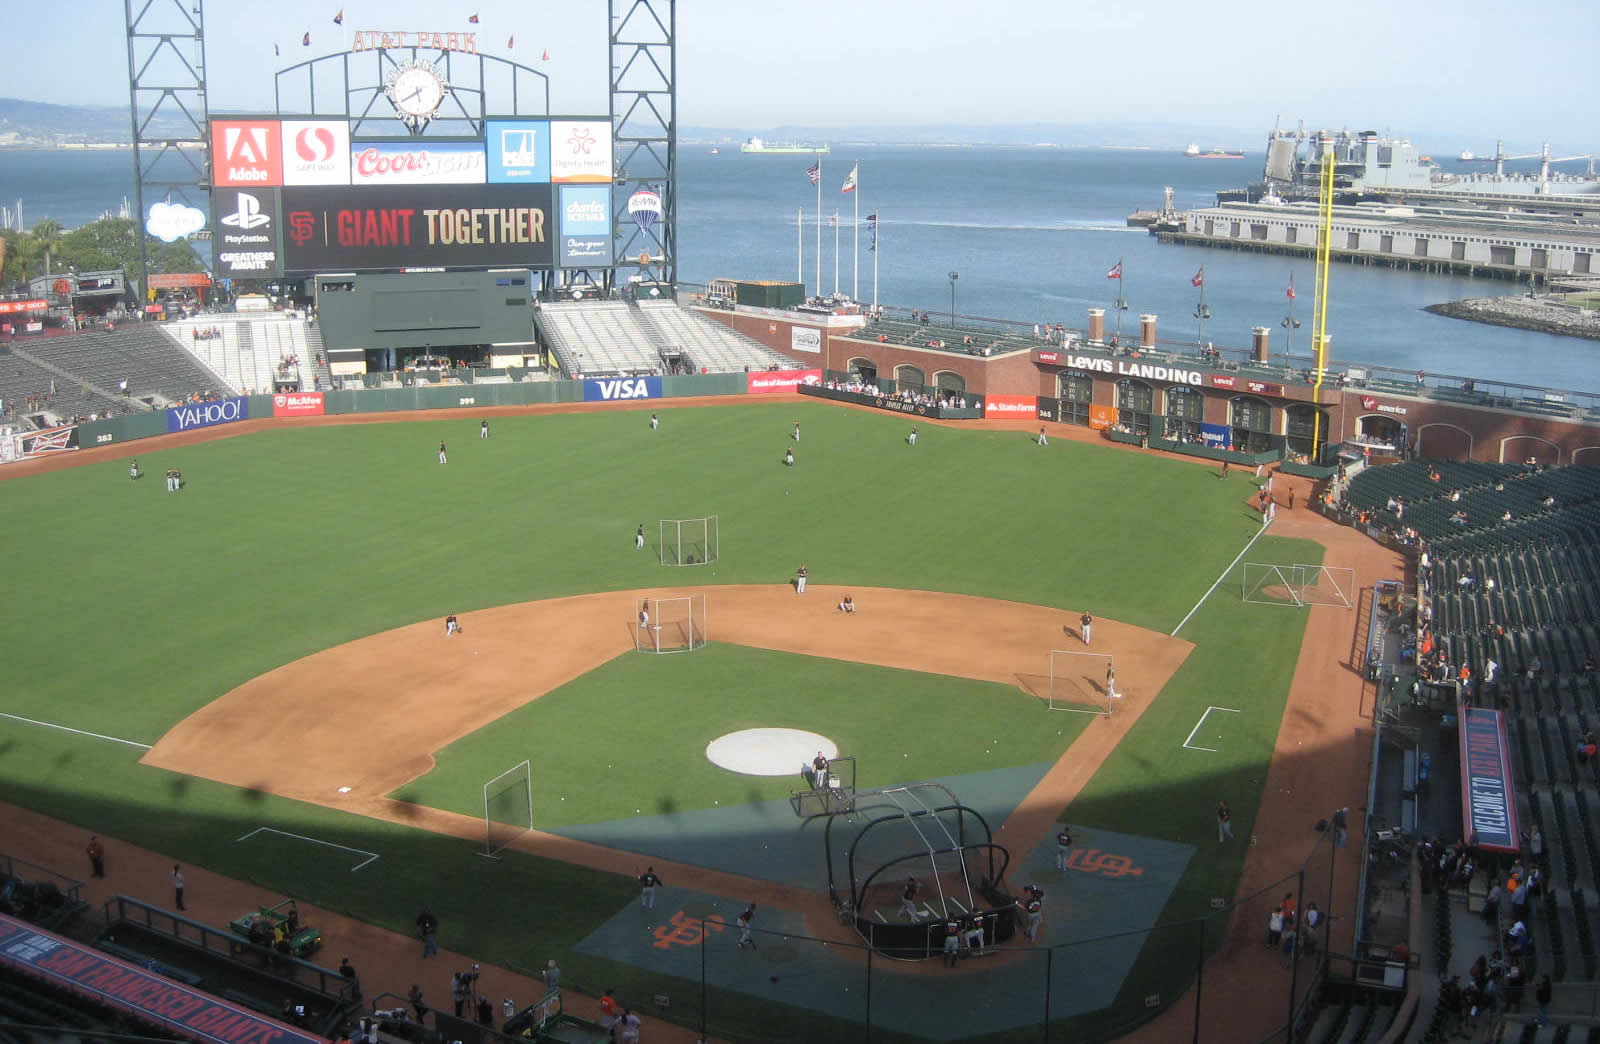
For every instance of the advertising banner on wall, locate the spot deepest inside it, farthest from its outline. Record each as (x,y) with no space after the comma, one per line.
(519,151)
(246,232)
(1217,436)
(1488,796)
(461,226)
(208,414)
(1102,418)
(768,381)
(316,152)
(298,404)
(246,154)
(48,441)
(580,151)
(415,163)
(805,339)
(585,225)
(616,389)
(1012,407)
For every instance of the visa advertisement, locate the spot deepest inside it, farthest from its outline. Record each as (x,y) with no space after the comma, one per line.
(617,389)
(585,225)
(519,152)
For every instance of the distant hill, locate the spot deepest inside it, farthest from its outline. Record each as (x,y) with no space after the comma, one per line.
(30,124)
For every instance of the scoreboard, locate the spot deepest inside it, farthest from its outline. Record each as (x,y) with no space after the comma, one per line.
(301,195)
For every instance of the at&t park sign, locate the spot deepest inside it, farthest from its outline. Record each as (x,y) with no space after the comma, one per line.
(379,40)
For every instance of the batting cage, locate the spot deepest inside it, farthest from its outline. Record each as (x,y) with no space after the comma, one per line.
(670,625)
(507,808)
(1299,585)
(1084,682)
(689,541)
(911,861)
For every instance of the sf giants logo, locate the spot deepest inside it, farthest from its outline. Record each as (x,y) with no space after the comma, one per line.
(302,226)
(1106,864)
(687,931)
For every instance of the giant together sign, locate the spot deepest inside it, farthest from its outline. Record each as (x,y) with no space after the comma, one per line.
(400,226)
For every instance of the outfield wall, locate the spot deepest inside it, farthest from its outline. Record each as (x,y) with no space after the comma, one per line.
(417,397)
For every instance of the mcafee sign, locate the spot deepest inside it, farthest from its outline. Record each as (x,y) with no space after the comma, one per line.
(298,404)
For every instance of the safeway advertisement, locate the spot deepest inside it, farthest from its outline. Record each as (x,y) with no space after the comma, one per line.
(298,404)
(1022,407)
(769,381)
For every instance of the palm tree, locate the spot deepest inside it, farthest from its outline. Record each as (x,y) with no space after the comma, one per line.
(47,233)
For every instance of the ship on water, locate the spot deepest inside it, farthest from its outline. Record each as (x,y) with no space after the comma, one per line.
(1368,168)
(1193,152)
(781,147)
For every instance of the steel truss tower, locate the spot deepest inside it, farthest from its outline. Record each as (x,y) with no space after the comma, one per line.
(167,102)
(644,125)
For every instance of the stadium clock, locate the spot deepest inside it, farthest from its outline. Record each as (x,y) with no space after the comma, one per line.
(416,89)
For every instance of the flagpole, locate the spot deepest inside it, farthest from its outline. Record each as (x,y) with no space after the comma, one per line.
(800,245)
(877,229)
(1122,297)
(855,247)
(836,251)
(819,224)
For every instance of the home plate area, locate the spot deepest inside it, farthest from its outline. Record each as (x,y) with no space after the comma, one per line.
(1097,913)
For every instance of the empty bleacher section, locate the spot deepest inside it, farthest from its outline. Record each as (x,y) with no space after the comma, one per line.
(605,338)
(706,345)
(156,369)
(971,340)
(25,390)
(1524,593)
(255,354)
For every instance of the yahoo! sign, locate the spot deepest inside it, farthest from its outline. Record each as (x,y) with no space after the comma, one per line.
(207,414)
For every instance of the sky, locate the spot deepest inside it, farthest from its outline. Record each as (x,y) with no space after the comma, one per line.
(1448,73)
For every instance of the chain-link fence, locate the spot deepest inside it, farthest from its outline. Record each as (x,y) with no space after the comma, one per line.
(1245,972)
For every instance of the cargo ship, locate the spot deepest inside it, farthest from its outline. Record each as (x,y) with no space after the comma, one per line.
(781,147)
(1193,152)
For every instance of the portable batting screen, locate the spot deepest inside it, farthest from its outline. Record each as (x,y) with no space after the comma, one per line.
(1299,585)
(1081,681)
(689,541)
(507,808)
(670,625)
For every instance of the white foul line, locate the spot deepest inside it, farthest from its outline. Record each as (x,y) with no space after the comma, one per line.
(80,732)
(316,841)
(1201,722)
(1224,575)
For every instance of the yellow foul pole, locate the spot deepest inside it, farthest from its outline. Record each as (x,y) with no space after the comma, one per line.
(1319,314)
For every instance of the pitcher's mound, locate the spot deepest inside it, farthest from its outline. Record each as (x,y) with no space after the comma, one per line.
(768,752)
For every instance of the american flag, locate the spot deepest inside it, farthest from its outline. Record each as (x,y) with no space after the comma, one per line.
(814,172)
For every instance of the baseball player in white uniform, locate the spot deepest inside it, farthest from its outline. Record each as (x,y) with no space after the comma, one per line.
(648,883)
(133,469)
(638,538)
(483,430)
(644,616)
(974,935)
(442,458)
(908,900)
(1044,439)
(911,440)
(451,626)
(655,421)
(952,943)
(1111,681)
(744,927)
(788,458)
(796,434)
(800,580)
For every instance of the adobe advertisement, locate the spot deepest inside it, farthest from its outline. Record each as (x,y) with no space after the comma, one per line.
(396,226)
(519,151)
(246,232)
(585,225)
(246,154)
(580,151)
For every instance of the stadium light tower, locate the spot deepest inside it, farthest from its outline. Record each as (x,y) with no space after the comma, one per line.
(644,127)
(167,102)
(953,277)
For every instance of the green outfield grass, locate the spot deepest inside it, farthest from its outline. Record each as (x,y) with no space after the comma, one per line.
(131,608)
(657,713)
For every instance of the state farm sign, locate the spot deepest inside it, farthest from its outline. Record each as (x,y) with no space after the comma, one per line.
(1012,406)
(298,404)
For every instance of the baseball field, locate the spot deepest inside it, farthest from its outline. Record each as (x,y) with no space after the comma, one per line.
(251,675)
